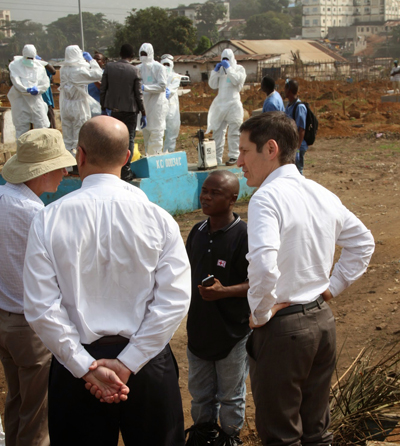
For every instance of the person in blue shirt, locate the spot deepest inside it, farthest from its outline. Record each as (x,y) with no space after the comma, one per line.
(273,101)
(300,114)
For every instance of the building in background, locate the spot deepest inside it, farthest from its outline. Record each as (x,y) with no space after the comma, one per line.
(5,17)
(319,15)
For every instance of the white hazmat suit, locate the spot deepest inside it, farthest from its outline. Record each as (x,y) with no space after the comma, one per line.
(173,118)
(27,72)
(226,110)
(154,79)
(75,102)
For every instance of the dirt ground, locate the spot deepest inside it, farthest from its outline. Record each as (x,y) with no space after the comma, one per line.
(358,159)
(364,174)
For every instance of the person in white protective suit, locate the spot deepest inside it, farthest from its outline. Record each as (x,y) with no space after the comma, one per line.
(173,118)
(154,85)
(29,80)
(226,110)
(78,70)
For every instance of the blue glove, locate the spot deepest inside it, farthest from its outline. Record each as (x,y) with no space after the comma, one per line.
(168,93)
(38,58)
(28,90)
(218,66)
(225,64)
(33,91)
(142,87)
(143,122)
(87,56)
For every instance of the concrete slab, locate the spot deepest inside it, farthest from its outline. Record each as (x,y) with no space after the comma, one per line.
(166,179)
(7,128)
(390,98)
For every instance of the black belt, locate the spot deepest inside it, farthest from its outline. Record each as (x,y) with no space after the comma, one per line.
(111,340)
(300,308)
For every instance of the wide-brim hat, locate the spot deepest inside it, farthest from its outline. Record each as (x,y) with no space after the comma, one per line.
(39,151)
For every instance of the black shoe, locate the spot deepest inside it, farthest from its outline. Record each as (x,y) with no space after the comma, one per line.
(127,174)
(227,440)
(231,161)
(203,434)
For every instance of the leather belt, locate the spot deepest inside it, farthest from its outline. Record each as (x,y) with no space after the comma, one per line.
(300,308)
(111,340)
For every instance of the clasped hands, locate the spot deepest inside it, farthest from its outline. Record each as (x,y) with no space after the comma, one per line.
(106,380)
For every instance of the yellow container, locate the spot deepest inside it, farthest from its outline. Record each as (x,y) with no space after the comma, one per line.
(136,153)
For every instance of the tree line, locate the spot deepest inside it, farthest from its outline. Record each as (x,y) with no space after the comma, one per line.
(266,19)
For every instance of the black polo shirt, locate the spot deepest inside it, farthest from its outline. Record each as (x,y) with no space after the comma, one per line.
(214,328)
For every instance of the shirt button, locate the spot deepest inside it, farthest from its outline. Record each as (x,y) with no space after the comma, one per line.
(210,241)
(209,250)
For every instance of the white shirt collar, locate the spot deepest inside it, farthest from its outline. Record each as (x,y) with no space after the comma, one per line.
(99,178)
(287,170)
(23,189)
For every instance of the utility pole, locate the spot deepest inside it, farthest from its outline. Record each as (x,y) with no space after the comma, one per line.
(81,21)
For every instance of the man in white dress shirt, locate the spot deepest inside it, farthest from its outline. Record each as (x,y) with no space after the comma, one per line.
(294,225)
(38,167)
(106,300)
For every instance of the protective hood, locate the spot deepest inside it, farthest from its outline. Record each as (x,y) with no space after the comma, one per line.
(148,49)
(229,54)
(73,56)
(29,51)
(167,58)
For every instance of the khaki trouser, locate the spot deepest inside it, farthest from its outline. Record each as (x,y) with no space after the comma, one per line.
(26,364)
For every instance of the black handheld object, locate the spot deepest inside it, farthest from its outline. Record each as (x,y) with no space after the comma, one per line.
(208,281)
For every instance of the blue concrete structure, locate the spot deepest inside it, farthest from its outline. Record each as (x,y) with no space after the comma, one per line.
(166,179)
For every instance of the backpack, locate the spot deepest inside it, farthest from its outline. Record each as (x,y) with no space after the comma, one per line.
(311,123)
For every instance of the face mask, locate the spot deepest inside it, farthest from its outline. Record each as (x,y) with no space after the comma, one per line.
(27,62)
(168,69)
(144,59)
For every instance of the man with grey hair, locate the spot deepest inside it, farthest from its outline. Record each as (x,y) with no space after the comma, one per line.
(106,301)
(38,167)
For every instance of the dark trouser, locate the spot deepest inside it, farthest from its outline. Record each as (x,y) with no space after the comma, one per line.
(292,359)
(151,416)
(52,118)
(130,120)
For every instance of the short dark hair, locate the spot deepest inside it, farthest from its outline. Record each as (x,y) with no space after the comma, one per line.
(292,86)
(127,51)
(267,84)
(277,126)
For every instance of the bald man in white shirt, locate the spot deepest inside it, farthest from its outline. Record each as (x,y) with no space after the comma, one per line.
(107,283)
(294,225)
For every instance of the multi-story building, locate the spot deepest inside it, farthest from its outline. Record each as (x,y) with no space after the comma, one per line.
(5,17)
(319,15)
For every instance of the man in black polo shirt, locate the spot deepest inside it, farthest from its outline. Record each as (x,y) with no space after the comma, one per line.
(217,324)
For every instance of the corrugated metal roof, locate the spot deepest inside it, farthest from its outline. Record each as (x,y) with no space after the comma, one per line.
(310,51)
(238,57)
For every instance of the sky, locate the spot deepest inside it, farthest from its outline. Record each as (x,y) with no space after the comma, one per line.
(47,11)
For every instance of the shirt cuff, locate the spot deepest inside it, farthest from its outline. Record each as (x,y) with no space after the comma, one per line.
(262,319)
(336,286)
(134,359)
(79,364)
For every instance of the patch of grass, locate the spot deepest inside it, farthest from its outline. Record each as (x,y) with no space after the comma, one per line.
(395,147)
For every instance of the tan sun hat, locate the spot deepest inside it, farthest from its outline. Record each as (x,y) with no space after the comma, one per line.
(39,151)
